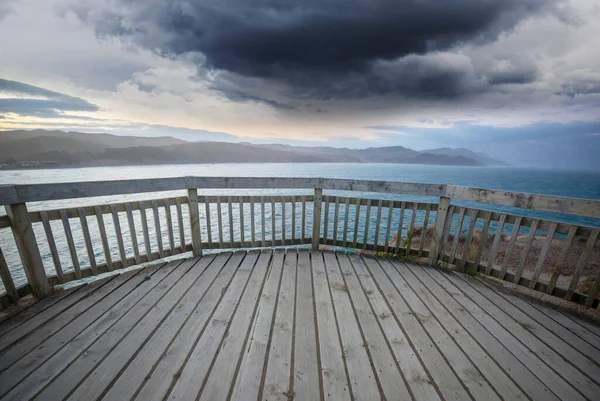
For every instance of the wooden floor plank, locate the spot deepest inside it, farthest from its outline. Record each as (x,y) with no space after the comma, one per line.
(464,368)
(360,371)
(591,326)
(392,382)
(64,356)
(446,380)
(134,375)
(36,314)
(222,375)
(158,382)
(489,369)
(574,349)
(250,374)
(333,370)
(21,342)
(479,308)
(307,386)
(89,311)
(421,385)
(118,346)
(188,384)
(302,325)
(279,363)
(530,333)
(568,323)
(501,355)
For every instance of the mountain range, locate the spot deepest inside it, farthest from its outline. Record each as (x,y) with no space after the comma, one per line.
(42,148)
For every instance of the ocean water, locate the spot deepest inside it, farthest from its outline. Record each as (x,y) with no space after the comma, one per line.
(561,183)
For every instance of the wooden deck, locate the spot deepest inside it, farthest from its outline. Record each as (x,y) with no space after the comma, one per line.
(295,325)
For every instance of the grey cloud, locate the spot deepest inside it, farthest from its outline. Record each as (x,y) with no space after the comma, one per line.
(573,89)
(34,101)
(244,97)
(512,69)
(326,49)
(6,8)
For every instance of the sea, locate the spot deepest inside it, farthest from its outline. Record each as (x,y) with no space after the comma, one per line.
(575,184)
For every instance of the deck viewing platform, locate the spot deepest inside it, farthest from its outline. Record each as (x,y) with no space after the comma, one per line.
(296,289)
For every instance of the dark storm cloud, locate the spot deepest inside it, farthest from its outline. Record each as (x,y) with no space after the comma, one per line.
(29,100)
(326,49)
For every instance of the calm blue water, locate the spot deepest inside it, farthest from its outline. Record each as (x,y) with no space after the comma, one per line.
(567,183)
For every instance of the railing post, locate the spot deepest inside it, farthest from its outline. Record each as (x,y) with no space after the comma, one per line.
(194,221)
(28,249)
(316,229)
(440,221)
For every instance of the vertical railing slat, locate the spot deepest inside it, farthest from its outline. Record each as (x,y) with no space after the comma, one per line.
(316,223)
(336,211)
(482,241)
(582,262)
(346,215)
(424,228)
(293,220)
(145,231)
(389,225)
(467,247)
(377,224)
(494,250)
(88,240)
(542,258)
(283,220)
(262,220)
(411,228)
(220,222)
(9,284)
(400,226)
(273,217)
(208,221)
(525,252)
(180,224)
(511,246)
(157,228)
(194,216)
(170,225)
(561,259)
(356,221)
(303,218)
(241,206)
(119,235)
(440,252)
(326,220)
(230,214)
(366,231)
(459,223)
(69,235)
(103,237)
(252,222)
(134,242)
(52,246)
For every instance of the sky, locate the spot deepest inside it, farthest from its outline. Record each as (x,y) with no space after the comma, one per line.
(517,79)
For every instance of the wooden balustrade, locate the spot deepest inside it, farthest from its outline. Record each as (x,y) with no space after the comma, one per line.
(102,238)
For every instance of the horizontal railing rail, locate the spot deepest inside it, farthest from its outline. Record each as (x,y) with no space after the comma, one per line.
(444,224)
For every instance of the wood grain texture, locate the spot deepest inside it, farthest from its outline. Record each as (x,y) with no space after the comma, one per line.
(296,324)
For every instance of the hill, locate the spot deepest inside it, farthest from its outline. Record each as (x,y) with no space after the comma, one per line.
(40,148)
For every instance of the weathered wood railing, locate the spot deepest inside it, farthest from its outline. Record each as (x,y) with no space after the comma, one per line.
(65,244)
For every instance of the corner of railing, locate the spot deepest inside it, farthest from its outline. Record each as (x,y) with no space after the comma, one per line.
(29,251)
(441,221)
